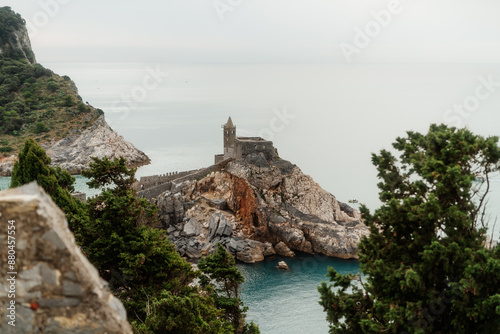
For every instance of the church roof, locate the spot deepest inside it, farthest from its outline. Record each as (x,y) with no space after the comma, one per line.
(230,123)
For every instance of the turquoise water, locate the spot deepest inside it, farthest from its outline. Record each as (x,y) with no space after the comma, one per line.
(4,183)
(287,301)
(80,185)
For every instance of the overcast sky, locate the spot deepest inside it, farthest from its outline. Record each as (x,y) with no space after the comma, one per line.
(268,31)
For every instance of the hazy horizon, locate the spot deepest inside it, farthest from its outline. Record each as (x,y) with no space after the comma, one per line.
(278,31)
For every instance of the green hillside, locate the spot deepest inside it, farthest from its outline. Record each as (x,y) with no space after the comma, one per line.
(34,102)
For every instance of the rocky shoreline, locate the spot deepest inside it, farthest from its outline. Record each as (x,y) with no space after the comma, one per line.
(73,153)
(256,208)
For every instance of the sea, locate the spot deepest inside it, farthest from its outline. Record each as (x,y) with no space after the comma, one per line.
(326,118)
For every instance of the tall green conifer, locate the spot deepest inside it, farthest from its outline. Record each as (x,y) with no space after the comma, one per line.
(425,265)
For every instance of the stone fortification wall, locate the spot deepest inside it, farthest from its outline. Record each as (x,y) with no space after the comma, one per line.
(154,192)
(219,158)
(49,286)
(155,180)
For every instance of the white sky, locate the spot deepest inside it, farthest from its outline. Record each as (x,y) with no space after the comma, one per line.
(266,31)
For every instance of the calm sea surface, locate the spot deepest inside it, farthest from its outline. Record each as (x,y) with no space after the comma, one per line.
(327,119)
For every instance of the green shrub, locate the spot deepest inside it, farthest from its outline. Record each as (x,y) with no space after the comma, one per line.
(68,101)
(6,149)
(41,127)
(82,107)
(53,86)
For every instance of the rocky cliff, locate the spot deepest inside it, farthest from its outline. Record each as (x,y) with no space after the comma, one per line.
(256,208)
(73,152)
(36,103)
(15,39)
(48,286)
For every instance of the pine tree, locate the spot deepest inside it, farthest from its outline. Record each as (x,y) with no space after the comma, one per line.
(425,265)
(34,165)
(221,276)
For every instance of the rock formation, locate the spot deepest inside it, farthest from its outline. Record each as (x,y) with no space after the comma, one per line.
(55,288)
(257,207)
(19,41)
(6,165)
(73,152)
(77,131)
(282,266)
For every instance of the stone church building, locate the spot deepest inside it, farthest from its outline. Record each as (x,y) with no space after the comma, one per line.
(240,147)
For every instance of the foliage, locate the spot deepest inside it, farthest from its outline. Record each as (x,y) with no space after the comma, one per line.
(10,22)
(41,127)
(105,173)
(34,100)
(190,312)
(427,269)
(219,267)
(142,266)
(6,149)
(34,165)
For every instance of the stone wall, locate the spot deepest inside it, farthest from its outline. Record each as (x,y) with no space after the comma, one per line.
(247,146)
(51,286)
(219,158)
(154,192)
(154,180)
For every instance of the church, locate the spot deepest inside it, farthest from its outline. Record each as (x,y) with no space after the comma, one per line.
(239,147)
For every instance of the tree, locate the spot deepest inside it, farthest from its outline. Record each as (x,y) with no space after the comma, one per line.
(219,267)
(34,165)
(425,265)
(105,173)
(153,281)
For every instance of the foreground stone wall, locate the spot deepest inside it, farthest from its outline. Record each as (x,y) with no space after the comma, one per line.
(52,286)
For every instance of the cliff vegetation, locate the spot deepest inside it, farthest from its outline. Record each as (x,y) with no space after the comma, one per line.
(34,101)
(39,104)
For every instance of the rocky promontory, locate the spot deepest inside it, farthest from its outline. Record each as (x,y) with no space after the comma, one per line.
(255,208)
(37,103)
(73,152)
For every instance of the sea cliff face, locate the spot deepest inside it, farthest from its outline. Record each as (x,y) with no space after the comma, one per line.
(257,208)
(19,41)
(47,108)
(73,152)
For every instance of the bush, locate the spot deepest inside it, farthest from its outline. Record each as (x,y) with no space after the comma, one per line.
(68,101)
(53,86)
(41,127)
(82,107)
(6,149)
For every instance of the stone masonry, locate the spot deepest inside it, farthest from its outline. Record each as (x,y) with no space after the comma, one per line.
(55,288)
(240,147)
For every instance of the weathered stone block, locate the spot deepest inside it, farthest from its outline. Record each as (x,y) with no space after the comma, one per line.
(72,289)
(48,256)
(191,228)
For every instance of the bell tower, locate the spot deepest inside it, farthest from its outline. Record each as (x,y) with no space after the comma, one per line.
(229,138)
